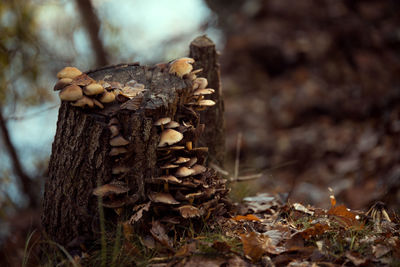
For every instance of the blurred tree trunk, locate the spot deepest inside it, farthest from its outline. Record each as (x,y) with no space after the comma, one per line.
(92,24)
(26,184)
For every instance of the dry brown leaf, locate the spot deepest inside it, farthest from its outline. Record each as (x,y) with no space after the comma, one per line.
(158,232)
(256,245)
(248,217)
(345,216)
(315,230)
(139,212)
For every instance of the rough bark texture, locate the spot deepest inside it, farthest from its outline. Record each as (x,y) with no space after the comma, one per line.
(202,49)
(80,160)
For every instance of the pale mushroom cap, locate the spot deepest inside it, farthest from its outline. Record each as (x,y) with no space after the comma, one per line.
(62,83)
(71,93)
(93,89)
(206,103)
(200,83)
(170,137)
(181,160)
(97,103)
(189,211)
(119,141)
(115,151)
(169,166)
(162,121)
(68,72)
(84,101)
(107,97)
(110,189)
(181,66)
(184,172)
(198,169)
(162,198)
(172,124)
(207,91)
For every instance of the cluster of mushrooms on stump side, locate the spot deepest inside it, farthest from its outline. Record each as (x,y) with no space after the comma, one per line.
(127,135)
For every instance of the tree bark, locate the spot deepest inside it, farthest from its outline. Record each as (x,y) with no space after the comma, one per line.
(203,51)
(81,157)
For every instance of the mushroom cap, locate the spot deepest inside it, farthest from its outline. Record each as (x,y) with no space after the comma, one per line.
(189,211)
(71,93)
(206,103)
(162,198)
(118,141)
(119,169)
(181,160)
(169,166)
(181,66)
(68,72)
(62,83)
(84,101)
(164,179)
(83,80)
(107,97)
(172,124)
(114,130)
(98,103)
(184,172)
(162,121)
(93,89)
(170,137)
(115,151)
(131,91)
(110,189)
(207,91)
(191,162)
(198,169)
(200,83)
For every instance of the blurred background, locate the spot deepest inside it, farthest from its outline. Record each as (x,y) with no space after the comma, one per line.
(312,87)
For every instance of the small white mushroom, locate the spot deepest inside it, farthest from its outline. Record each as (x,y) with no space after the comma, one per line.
(200,83)
(119,141)
(181,66)
(93,89)
(184,172)
(119,169)
(71,93)
(189,211)
(84,101)
(170,137)
(68,72)
(162,198)
(114,130)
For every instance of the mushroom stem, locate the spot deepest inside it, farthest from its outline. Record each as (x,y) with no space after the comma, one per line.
(166,189)
(189,145)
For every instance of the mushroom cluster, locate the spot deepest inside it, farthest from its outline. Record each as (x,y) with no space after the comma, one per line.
(184,189)
(83,91)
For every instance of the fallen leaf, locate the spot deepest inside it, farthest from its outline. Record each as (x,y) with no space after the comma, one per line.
(158,232)
(345,216)
(256,245)
(315,230)
(248,217)
(139,213)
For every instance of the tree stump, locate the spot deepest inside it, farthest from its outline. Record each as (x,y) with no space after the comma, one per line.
(116,153)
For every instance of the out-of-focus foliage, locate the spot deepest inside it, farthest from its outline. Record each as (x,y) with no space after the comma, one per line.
(19,54)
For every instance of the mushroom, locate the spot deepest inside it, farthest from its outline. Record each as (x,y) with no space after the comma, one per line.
(114,130)
(93,89)
(189,211)
(198,169)
(84,101)
(184,172)
(107,97)
(97,103)
(164,179)
(191,162)
(119,169)
(62,83)
(119,141)
(110,189)
(71,93)
(206,103)
(206,91)
(115,151)
(181,160)
(83,80)
(181,66)
(170,137)
(171,124)
(162,198)
(162,121)
(200,83)
(68,72)
(169,166)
